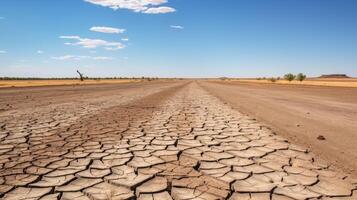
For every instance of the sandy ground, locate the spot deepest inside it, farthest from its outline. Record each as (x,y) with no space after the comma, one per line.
(32,83)
(332,82)
(301,113)
(157,141)
(20,99)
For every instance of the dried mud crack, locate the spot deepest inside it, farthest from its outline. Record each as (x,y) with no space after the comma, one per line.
(178,143)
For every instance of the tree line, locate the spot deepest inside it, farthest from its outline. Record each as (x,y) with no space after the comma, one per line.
(289,77)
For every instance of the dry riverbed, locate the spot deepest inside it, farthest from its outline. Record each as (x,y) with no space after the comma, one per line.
(164,140)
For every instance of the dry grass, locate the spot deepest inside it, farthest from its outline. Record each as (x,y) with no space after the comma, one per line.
(334,82)
(31,83)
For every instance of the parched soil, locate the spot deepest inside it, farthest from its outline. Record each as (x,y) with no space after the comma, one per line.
(54,82)
(159,141)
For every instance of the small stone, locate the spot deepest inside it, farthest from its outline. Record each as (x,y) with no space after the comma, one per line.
(321,137)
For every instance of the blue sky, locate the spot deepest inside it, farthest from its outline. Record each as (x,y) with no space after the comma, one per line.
(177,38)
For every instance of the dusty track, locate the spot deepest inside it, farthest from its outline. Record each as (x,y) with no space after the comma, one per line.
(301,114)
(156,141)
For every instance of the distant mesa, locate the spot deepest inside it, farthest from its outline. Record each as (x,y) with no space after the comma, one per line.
(334,76)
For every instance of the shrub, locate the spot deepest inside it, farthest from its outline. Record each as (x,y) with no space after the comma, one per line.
(223,78)
(289,77)
(272,79)
(300,77)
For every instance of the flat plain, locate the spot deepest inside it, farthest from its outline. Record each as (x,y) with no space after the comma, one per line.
(330,82)
(173,140)
(301,113)
(33,83)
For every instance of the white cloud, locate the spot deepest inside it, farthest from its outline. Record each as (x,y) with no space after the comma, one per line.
(125,39)
(73,57)
(113,48)
(102,58)
(67,57)
(40,52)
(176,27)
(2,52)
(93,43)
(70,37)
(159,10)
(103,29)
(143,6)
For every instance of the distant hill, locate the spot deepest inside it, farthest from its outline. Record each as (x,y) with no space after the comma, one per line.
(334,76)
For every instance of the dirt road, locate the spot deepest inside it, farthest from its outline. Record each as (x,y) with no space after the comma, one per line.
(301,114)
(159,141)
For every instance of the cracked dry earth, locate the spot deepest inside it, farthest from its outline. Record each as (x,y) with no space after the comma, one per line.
(178,143)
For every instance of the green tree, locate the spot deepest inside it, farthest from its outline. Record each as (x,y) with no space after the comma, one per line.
(289,77)
(300,77)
